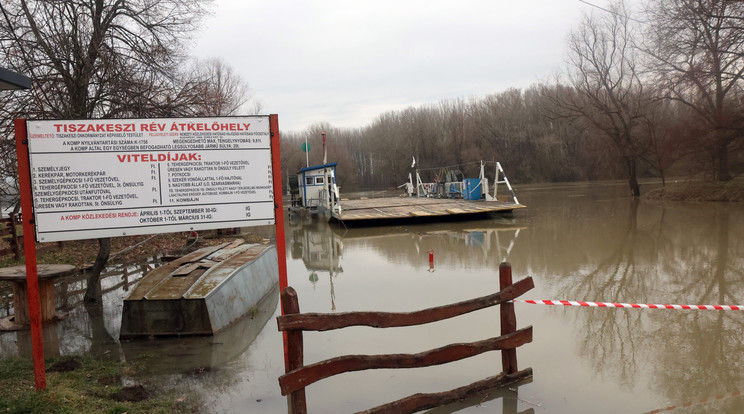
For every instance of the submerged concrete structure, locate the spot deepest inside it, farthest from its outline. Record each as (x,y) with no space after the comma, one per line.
(200,293)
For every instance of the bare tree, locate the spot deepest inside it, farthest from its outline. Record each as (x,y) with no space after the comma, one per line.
(97,58)
(219,90)
(670,135)
(83,54)
(698,50)
(607,91)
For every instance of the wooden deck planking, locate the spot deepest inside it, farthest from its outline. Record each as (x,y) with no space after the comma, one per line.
(175,286)
(402,207)
(149,283)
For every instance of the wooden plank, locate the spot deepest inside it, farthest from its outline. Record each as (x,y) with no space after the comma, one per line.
(20,301)
(174,287)
(46,298)
(404,207)
(420,213)
(186,269)
(309,374)
(324,322)
(508,320)
(200,254)
(44,271)
(227,253)
(207,263)
(420,402)
(383,203)
(160,274)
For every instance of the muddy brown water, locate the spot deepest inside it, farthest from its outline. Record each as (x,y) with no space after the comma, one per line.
(578,242)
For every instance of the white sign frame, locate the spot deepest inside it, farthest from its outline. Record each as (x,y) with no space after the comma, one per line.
(119,177)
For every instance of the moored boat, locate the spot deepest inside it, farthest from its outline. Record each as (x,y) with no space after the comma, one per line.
(200,293)
(447,196)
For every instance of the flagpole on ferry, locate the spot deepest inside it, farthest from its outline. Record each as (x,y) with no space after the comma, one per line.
(307,151)
(325,175)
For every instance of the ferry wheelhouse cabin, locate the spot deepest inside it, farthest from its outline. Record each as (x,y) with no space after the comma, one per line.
(316,188)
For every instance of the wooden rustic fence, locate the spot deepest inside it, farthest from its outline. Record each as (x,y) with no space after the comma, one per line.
(298,376)
(8,228)
(71,289)
(15,241)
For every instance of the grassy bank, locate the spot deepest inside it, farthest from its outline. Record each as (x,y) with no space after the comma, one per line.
(83,385)
(87,384)
(730,191)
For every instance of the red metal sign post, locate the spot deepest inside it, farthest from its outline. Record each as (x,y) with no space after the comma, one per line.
(281,251)
(29,245)
(276,166)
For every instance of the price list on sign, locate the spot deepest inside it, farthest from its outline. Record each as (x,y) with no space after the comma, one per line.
(107,178)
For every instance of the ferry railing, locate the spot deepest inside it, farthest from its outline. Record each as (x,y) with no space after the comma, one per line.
(456,189)
(500,173)
(298,376)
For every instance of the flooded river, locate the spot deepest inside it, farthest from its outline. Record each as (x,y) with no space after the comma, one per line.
(578,242)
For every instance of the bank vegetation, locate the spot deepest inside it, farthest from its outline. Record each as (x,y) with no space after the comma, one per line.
(656,92)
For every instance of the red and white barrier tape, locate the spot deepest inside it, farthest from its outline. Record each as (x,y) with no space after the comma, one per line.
(629,305)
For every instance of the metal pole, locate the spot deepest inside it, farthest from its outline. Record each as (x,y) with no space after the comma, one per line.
(307,157)
(281,251)
(276,166)
(32,279)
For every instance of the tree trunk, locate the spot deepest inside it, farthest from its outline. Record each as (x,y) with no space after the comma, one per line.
(635,189)
(721,163)
(93,291)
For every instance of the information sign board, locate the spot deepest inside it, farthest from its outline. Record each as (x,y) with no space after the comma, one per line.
(117,177)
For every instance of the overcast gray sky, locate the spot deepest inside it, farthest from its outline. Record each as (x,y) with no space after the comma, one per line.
(347,61)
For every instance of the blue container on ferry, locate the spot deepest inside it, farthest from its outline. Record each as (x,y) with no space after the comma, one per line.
(472,189)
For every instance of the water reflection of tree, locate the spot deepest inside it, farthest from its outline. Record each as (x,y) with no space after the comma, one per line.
(707,360)
(684,255)
(613,337)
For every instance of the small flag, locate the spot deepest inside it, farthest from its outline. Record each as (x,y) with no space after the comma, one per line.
(413,164)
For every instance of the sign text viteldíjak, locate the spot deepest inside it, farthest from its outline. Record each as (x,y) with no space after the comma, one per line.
(107,178)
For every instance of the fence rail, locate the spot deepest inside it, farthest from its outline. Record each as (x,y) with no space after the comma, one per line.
(298,376)
(15,241)
(8,228)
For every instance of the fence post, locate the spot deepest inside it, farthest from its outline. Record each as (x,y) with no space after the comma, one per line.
(14,237)
(290,303)
(508,320)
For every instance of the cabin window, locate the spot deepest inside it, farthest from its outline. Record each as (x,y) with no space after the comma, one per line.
(319,180)
(308,180)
